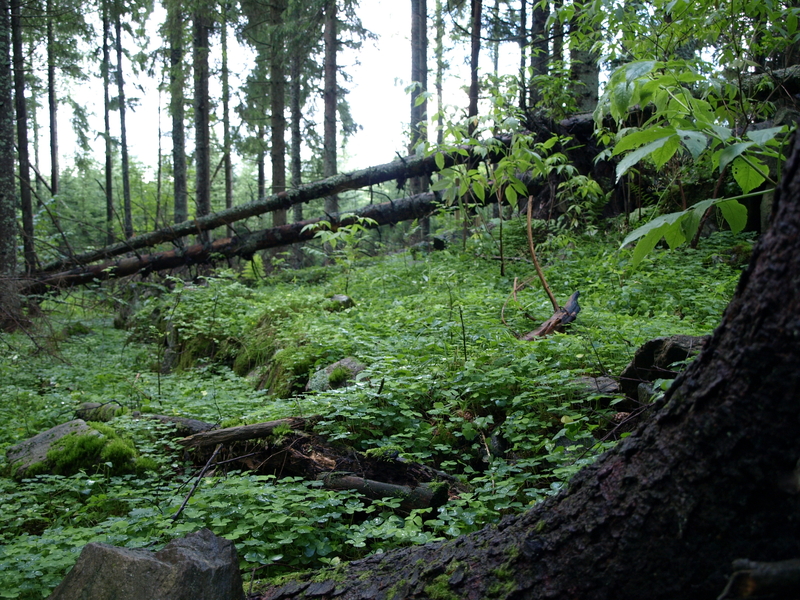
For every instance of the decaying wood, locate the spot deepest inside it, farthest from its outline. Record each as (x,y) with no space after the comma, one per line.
(245,246)
(764,579)
(561,317)
(425,495)
(243,432)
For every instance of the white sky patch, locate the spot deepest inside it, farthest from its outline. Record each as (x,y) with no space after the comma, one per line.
(380,71)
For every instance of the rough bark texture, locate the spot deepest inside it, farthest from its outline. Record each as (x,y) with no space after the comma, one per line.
(22,137)
(226,115)
(277,99)
(52,100)
(712,477)
(202,113)
(414,207)
(176,82)
(109,165)
(9,298)
(475,51)
(123,129)
(330,95)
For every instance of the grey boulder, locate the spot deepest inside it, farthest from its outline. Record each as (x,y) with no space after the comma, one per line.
(200,566)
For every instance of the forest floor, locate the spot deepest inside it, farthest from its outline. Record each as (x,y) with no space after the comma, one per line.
(447,384)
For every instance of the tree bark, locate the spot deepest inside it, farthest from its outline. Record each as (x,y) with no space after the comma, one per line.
(123,128)
(712,477)
(400,169)
(414,207)
(331,98)
(202,115)
(540,56)
(584,70)
(475,37)
(295,107)
(226,116)
(22,137)
(277,98)
(10,312)
(109,159)
(177,80)
(52,100)
(242,432)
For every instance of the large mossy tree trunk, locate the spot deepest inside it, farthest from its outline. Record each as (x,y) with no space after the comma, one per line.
(714,476)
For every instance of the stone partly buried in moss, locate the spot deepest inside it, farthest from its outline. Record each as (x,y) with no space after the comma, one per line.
(72,447)
(335,375)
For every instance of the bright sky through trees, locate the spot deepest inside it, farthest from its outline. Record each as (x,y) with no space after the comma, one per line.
(379,74)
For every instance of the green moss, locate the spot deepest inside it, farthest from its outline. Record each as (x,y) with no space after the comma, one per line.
(339,375)
(501,589)
(92,450)
(439,589)
(387,453)
(75,451)
(118,452)
(106,430)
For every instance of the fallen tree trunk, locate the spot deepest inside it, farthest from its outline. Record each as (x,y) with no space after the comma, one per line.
(245,246)
(424,495)
(405,168)
(243,432)
(712,477)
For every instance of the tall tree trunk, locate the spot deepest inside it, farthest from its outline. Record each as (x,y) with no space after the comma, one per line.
(226,115)
(261,185)
(52,99)
(584,70)
(331,98)
(711,477)
(440,67)
(277,98)
(109,155)
(177,80)
(475,51)
(540,54)
(10,310)
(201,117)
(22,137)
(127,221)
(295,127)
(522,40)
(557,34)
(35,126)
(419,106)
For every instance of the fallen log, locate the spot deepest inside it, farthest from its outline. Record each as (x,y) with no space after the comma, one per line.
(405,168)
(425,495)
(243,432)
(245,246)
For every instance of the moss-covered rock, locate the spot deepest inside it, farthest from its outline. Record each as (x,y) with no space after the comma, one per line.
(76,446)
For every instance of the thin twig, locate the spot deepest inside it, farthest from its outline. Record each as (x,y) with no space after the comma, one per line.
(197,482)
(536,260)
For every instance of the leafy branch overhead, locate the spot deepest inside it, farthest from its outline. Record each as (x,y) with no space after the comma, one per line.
(689,114)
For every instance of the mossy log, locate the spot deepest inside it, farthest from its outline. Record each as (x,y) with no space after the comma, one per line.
(243,432)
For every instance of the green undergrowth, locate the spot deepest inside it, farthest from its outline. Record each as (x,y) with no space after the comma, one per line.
(447,384)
